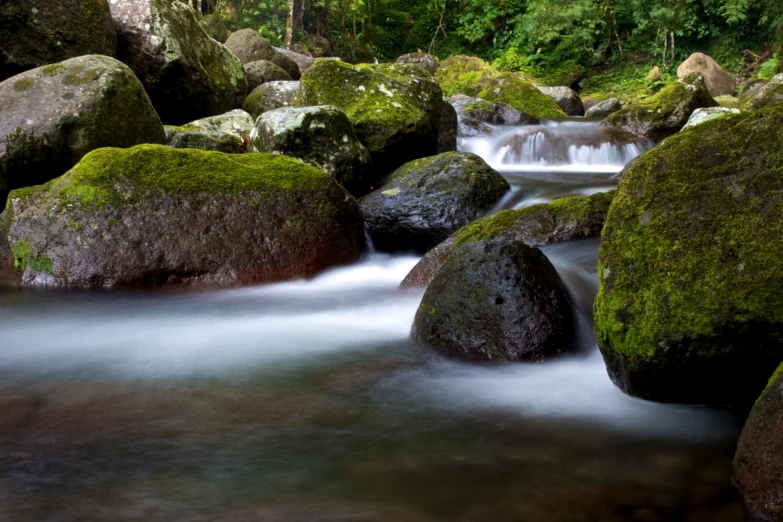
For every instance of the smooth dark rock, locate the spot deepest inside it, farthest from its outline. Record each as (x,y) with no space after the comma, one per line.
(447,135)
(426,200)
(496,300)
(604,108)
(261,72)
(288,64)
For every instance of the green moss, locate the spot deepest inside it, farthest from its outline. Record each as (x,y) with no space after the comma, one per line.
(464,75)
(692,244)
(54,69)
(78,76)
(514,90)
(25,84)
(24,258)
(123,176)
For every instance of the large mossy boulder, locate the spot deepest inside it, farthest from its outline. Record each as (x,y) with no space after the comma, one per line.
(36,33)
(270,96)
(766,94)
(464,75)
(426,200)
(690,307)
(215,27)
(153,215)
(718,81)
(758,462)
(249,46)
(496,300)
(514,90)
(186,73)
(604,108)
(52,116)
(261,72)
(566,219)
(475,116)
(666,112)
(394,108)
(321,136)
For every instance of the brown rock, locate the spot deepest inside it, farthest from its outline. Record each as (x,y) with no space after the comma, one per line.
(718,81)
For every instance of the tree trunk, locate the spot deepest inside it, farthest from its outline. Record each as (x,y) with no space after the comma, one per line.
(299,11)
(289,25)
(665,45)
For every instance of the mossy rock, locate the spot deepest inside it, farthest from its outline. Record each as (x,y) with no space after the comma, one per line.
(476,115)
(35,33)
(249,46)
(426,61)
(464,75)
(496,300)
(730,102)
(153,215)
(426,200)
(187,74)
(394,108)
(514,90)
(321,136)
(52,116)
(758,462)
(565,98)
(215,27)
(270,96)
(566,219)
(666,112)
(190,137)
(767,94)
(690,307)
(237,123)
(262,71)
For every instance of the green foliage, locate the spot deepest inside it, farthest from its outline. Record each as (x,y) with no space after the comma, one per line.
(769,68)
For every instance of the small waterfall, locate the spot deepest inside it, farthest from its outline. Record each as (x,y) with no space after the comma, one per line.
(564,147)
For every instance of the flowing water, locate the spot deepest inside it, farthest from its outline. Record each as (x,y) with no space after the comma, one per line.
(305,401)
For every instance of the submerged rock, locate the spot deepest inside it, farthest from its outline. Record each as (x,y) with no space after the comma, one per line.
(700,116)
(249,46)
(565,98)
(153,215)
(54,115)
(394,108)
(35,33)
(261,72)
(270,96)
(474,114)
(424,201)
(186,73)
(766,94)
(690,307)
(666,112)
(426,61)
(496,300)
(758,462)
(604,108)
(718,81)
(565,219)
(321,136)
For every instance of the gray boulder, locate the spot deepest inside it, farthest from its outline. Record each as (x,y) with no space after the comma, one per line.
(36,33)
(249,46)
(188,137)
(153,215)
(261,72)
(287,64)
(567,99)
(700,116)
(496,300)
(475,115)
(302,61)
(54,115)
(270,96)
(604,108)
(426,61)
(237,123)
(321,136)
(186,73)
(766,94)
(426,200)
(718,81)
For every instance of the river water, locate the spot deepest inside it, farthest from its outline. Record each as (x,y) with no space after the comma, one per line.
(305,401)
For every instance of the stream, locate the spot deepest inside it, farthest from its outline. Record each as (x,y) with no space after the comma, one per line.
(305,400)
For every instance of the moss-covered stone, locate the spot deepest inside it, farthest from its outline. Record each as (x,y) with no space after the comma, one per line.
(426,200)
(153,215)
(514,90)
(566,219)
(187,74)
(690,307)
(262,71)
(190,137)
(215,27)
(270,96)
(35,33)
(46,128)
(464,75)
(666,112)
(769,93)
(394,108)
